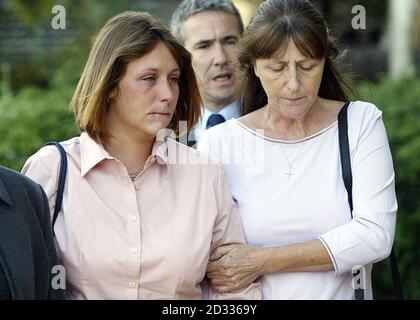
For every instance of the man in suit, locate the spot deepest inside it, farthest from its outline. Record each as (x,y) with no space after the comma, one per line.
(27,253)
(210,30)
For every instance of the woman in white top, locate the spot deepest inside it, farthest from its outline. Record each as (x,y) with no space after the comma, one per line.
(283,164)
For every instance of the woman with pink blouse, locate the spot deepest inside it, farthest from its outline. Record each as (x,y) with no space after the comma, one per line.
(141,213)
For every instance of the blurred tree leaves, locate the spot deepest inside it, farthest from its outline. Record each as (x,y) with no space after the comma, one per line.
(47,48)
(34,116)
(400,103)
(31,13)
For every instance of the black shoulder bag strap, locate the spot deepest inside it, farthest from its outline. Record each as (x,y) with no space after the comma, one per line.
(61,180)
(348,182)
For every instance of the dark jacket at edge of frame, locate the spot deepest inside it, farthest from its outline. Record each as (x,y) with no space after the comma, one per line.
(27,253)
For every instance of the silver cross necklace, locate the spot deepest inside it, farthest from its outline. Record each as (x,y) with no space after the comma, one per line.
(290,164)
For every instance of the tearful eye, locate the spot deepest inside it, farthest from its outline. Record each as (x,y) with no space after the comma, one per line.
(174,80)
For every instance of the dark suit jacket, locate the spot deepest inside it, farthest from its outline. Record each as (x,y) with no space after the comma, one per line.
(27,252)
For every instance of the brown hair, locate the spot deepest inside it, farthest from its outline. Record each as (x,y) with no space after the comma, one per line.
(125,37)
(272,26)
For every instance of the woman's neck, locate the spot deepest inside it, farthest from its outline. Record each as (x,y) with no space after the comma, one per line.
(132,151)
(293,128)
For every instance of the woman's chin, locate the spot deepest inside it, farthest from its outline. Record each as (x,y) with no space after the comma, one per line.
(161,131)
(296,112)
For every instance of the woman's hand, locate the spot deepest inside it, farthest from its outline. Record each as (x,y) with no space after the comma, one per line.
(234,267)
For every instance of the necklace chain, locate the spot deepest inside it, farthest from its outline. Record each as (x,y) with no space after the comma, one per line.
(289,164)
(133,175)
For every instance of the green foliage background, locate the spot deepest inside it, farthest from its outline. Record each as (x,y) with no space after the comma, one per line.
(400,103)
(34,109)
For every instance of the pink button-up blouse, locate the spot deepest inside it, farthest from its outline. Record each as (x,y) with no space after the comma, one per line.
(147,239)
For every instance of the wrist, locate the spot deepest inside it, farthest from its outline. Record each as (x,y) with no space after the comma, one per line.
(272,261)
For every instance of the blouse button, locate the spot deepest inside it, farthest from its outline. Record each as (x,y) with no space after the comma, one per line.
(133,218)
(132,285)
(153,160)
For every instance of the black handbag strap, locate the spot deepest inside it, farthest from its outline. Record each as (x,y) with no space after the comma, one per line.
(345,154)
(348,183)
(359,293)
(61,180)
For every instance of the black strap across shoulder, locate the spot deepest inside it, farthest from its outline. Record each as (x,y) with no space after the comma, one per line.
(348,183)
(61,180)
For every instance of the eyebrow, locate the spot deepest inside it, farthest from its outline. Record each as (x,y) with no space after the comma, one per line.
(157,70)
(209,41)
(299,61)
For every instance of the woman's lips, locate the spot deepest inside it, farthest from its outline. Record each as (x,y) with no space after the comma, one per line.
(160,114)
(293,100)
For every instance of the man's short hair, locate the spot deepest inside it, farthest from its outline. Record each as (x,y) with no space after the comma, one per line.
(189,8)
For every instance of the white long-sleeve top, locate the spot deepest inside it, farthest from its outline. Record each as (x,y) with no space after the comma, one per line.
(277,210)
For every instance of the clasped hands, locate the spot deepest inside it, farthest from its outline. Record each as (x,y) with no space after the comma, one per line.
(234,267)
